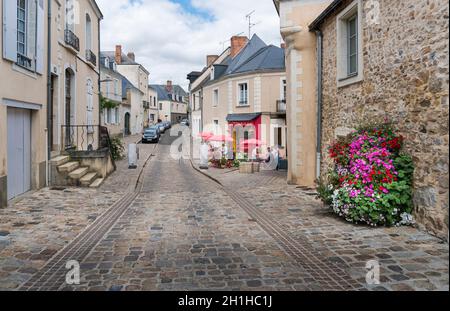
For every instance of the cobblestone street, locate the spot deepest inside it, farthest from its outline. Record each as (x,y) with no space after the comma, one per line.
(172,228)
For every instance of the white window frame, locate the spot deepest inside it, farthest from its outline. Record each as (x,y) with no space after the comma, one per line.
(239,93)
(216,126)
(215,98)
(343,76)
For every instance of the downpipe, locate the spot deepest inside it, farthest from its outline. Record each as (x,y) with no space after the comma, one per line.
(319,101)
(49,91)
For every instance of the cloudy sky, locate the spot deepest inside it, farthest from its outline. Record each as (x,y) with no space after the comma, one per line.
(172,37)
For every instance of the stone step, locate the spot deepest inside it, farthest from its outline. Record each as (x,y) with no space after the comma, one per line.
(79,172)
(87,179)
(60,160)
(68,167)
(97,183)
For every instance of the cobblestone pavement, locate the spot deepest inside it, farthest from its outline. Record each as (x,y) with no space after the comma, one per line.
(41,223)
(409,259)
(181,231)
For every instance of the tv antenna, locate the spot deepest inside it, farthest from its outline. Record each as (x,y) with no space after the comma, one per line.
(250,24)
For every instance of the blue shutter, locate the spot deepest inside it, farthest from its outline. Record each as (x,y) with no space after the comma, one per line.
(40,37)
(10,30)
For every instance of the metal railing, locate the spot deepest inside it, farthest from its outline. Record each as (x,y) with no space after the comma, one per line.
(86,138)
(90,57)
(80,138)
(24,61)
(71,39)
(281,105)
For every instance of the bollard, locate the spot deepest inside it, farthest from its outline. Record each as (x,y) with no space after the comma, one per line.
(132,156)
(204,149)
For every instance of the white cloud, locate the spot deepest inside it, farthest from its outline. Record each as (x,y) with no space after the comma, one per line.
(171,42)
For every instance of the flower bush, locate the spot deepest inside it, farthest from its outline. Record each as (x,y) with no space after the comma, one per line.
(372,180)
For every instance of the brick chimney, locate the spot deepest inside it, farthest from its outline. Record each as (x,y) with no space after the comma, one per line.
(237,44)
(169,86)
(210,59)
(118,54)
(131,56)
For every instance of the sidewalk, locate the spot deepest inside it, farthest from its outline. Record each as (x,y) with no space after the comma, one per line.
(409,259)
(35,228)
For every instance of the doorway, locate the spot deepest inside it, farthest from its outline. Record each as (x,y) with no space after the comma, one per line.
(19,151)
(127,124)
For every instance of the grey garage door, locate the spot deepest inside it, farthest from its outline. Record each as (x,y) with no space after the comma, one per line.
(19,152)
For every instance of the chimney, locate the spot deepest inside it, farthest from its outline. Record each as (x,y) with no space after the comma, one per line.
(237,44)
(283,46)
(210,59)
(169,86)
(118,55)
(131,56)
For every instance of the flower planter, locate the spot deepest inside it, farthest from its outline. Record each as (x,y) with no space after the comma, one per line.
(246,168)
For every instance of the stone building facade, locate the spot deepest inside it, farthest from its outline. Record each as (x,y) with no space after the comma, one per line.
(404,68)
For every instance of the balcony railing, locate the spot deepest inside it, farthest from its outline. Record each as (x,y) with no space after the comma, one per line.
(281,106)
(24,61)
(72,40)
(90,57)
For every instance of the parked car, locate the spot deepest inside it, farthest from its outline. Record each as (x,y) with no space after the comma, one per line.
(185,122)
(151,135)
(167,125)
(162,127)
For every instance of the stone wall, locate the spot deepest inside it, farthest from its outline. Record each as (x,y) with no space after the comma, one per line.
(406,80)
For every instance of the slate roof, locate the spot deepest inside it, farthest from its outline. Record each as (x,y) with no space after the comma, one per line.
(255,56)
(126,84)
(163,94)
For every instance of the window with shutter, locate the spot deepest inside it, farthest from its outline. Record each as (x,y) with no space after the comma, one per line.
(40,37)
(10,30)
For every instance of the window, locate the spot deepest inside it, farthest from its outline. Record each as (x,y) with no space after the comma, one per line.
(349,45)
(21,26)
(160,106)
(216,127)
(283,89)
(215,97)
(116,87)
(243,94)
(117,116)
(70,15)
(88,33)
(352,45)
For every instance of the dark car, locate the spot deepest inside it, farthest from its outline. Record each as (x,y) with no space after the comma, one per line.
(185,122)
(167,124)
(151,135)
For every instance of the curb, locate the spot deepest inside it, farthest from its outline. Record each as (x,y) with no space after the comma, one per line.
(205,174)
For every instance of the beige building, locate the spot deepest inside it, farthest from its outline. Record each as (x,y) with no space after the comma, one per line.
(301,73)
(380,59)
(23,98)
(74,105)
(31,61)
(245,95)
(153,112)
(111,89)
(135,91)
(197,82)
(172,102)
